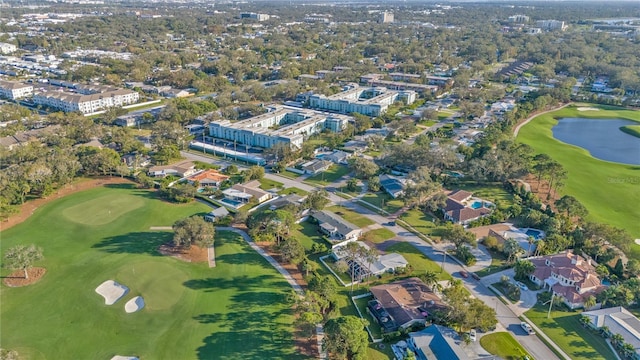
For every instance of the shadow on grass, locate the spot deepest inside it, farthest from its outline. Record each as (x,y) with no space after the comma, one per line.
(135,243)
(241,283)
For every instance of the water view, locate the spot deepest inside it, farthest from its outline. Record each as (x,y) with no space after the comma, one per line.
(601,137)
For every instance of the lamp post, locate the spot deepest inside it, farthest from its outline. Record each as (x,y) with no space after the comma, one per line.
(444,257)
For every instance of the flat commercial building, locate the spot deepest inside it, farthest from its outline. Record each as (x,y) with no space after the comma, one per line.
(14,90)
(85,104)
(370,101)
(281,125)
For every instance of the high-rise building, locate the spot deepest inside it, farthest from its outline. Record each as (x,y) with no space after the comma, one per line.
(550,25)
(386,17)
(519,19)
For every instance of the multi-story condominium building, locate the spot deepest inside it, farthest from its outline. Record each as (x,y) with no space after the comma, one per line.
(86,104)
(255,16)
(519,19)
(7,48)
(550,25)
(386,17)
(14,90)
(365,101)
(404,86)
(280,125)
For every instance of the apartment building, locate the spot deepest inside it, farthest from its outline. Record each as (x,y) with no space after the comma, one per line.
(372,101)
(85,104)
(551,25)
(386,17)
(14,90)
(7,48)
(280,125)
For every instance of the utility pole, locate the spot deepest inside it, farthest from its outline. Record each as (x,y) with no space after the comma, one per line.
(550,305)
(444,257)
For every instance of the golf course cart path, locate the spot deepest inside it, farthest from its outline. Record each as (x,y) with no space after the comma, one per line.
(517,128)
(111,291)
(211,256)
(160,228)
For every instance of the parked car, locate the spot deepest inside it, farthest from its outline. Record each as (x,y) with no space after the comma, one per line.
(475,276)
(522,286)
(472,335)
(464,274)
(527,328)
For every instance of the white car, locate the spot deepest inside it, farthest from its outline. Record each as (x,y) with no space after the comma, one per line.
(522,286)
(472,335)
(527,328)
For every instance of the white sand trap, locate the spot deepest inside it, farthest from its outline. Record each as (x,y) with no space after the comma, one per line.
(588,109)
(111,291)
(135,304)
(638,241)
(120,357)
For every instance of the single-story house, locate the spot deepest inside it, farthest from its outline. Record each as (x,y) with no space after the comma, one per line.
(208,178)
(291,199)
(336,227)
(619,321)
(337,157)
(437,342)
(136,161)
(316,166)
(392,185)
(361,268)
(462,208)
(408,301)
(247,191)
(217,214)
(181,169)
(567,275)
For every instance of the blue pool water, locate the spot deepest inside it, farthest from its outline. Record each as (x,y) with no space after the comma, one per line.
(536,234)
(476,205)
(231,202)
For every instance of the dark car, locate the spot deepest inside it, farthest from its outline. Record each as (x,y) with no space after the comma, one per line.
(464,274)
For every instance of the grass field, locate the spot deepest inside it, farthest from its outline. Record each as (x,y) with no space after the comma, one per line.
(268,184)
(292,190)
(565,330)
(236,310)
(631,130)
(334,173)
(423,223)
(504,345)
(384,201)
(608,190)
(351,216)
(378,235)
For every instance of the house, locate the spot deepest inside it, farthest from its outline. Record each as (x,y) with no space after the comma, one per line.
(462,208)
(392,185)
(335,226)
(408,301)
(316,166)
(362,268)
(136,161)
(181,169)
(175,93)
(337,157)
(619,321)
(439,343)
(208,178)
(569,276)
(217,214)
(528,248)
(247,191)
(291,199)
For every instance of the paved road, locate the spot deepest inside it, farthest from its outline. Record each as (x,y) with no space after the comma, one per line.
(506,317)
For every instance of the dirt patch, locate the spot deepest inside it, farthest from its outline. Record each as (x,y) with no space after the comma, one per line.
(17,279)
(541,189)
(29,207)
(192,254)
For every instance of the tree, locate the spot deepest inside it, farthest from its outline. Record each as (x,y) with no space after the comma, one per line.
(374,184)
(363,168)
(590,302)
(292,251)
(512,249)
(316,199)
(253,173)
(571,206)
(523,268)
(345,338)
(352,184)
(193,231)
(458,235)
(584,320)
(352,252)
(22,257)
(617,339)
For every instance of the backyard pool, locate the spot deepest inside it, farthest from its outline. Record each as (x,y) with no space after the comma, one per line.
(477,204)
(231,202)
(536,234)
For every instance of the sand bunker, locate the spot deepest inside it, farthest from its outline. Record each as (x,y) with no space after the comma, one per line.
(638,241)
(588,109)
(120,357)
(135,304)
(111,291)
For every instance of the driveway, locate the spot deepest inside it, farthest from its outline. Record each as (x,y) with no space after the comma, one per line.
(528,298)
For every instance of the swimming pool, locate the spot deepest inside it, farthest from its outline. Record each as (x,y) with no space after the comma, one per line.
(477,204)
(536,234)
(234,203)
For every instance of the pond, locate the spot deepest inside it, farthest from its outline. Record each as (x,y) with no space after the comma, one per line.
(601,137)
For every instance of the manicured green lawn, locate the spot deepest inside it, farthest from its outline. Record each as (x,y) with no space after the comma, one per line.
(351,216)
(289,174)
(504,345)
(383,201)
(633,130)
(334,173)
(492,192)
(498,263)
(375,329)
(423,223)
(354,193)
(293,190)
(378,235)
(565,330)
(419,262)
(192,311)
(608,190)
(268,184)
(307,234)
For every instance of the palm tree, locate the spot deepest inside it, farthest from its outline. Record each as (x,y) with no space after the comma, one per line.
(430,278)
(590,302)
(540,245)
(531,240)
(627,349)
(604,331)
(584,321)
(617,340)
